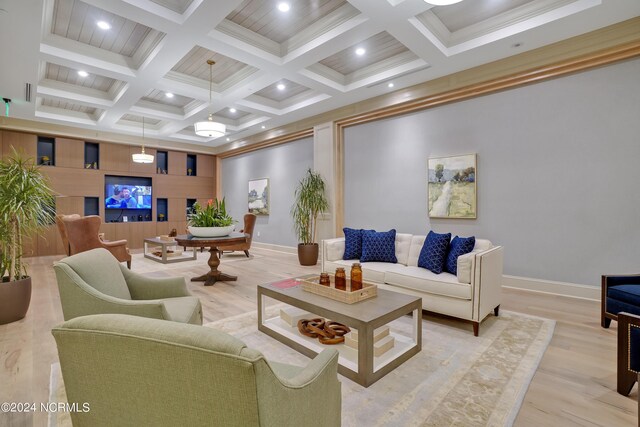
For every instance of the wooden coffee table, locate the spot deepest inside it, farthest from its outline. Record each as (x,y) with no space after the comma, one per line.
(358,365)
(212,243)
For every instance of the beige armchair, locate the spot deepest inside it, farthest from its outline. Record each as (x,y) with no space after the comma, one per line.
(94,282)
(83,235)
(144,372)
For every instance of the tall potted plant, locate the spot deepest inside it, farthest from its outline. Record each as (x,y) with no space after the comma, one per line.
(27,206)
(310,201)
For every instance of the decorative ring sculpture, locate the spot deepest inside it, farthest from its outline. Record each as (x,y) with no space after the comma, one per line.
(327,332)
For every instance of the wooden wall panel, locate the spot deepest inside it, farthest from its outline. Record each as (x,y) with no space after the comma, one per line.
(76,182)
(109,230)
(189,187)
(177,163)
(69,153)
(115,157)
(48,241)
(177,209)
(147,168)
(1,143)
(22,142)
(206,165)
(70,205)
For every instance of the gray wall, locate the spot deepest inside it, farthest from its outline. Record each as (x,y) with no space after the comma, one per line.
(558,173)
(284,165)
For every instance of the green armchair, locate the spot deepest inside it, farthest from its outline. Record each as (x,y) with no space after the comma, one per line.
(94,282)
(136,371)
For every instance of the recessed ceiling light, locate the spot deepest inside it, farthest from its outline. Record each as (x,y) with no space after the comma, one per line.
(390,84)
(82,73)
(232,110)
(228,139)
(264,127)
(283,7)
(168,95)
(517,45)
(360,51)
(281,86)
(103,25)
(442,2)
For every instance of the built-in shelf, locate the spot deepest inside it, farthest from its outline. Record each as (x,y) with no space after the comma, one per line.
(162,164)
(91,206)
(46,151)
(91,155)
(163,211)
(190,203)
(192,165)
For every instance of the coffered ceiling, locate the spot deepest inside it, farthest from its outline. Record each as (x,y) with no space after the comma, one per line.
(272,67)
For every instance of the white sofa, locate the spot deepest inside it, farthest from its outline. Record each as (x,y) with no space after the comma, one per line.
(470,295)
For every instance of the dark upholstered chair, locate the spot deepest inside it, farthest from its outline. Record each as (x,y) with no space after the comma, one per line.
(249,224)
(628,351)
(63,230)
(83,234)
(619,293)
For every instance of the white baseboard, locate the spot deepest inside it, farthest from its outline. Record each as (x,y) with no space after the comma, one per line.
(564,289)
(279,248)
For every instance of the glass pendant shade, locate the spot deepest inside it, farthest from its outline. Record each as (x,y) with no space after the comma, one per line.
(209,128)
(142,157)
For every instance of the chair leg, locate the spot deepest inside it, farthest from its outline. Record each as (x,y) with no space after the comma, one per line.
(246,253)
(129,264)
(476,328)
(496,311)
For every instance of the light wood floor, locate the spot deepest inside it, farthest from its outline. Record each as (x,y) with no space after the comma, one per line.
(574,385)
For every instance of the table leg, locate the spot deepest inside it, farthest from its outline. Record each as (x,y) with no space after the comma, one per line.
(214,275)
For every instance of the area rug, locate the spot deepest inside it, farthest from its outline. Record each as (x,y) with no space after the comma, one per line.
(456,380)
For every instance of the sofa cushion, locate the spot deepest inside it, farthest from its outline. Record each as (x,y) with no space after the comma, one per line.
(458,246)
(352,243)
(482,245)
(376,271)
(414,250)
(423,280)
(403,245)
(333,249)
(379,246)
(434,252)
(100,270)
(183,309)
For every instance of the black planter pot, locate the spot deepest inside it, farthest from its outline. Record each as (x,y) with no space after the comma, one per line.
(15,298)
(308,253)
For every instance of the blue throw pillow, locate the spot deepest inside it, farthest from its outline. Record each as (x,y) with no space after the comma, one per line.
(434,252)
(379,246)
(459,246)
(352,243)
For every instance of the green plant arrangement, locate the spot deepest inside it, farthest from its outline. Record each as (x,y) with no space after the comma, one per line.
(27,206)
(310,202)
(214,214)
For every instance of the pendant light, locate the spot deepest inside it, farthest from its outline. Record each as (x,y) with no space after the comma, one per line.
(142,157)
(209,128)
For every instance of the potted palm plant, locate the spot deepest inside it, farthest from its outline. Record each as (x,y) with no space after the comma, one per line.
(27,206)
(310,202)
(211,220)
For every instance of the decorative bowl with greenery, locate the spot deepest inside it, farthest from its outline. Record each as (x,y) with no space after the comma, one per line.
(211,220)
(310,202)
(27,206)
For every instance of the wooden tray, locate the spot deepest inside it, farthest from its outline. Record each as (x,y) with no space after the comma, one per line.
(369,290)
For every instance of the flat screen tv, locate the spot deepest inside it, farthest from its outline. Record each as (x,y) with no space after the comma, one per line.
(123,196)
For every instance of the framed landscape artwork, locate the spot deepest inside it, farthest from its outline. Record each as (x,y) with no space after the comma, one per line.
(452,187)
(259,196)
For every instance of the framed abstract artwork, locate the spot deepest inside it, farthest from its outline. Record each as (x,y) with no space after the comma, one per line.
(451,187)
(259,196)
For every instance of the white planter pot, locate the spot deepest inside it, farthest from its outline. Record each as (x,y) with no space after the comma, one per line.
(210,231)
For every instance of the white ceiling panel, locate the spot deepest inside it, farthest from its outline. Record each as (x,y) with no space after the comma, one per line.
(273,93)
(68,75)
(460,15)
(194,64)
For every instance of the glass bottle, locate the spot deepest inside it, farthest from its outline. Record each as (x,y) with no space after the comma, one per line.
(324,279)
(356,277)
(341,279)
